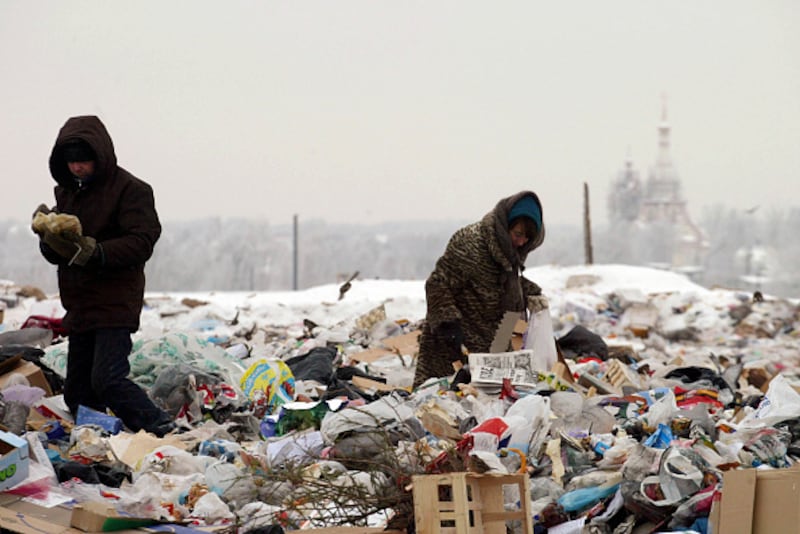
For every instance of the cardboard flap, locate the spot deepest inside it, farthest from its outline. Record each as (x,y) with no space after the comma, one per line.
(368,384)
(504,332)
(403,344)
(738,496)
(369,355)
(777,502)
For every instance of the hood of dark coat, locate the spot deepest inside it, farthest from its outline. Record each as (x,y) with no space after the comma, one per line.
(497,221)
(91,130)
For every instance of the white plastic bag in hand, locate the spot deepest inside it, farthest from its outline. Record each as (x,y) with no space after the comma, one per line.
(539,338)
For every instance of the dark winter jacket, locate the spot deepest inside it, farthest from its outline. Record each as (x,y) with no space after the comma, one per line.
(118,210)
(477,279)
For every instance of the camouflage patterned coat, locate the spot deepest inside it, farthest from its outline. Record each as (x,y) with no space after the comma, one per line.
(476,280)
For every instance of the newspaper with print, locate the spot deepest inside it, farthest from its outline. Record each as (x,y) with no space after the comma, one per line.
(521,367)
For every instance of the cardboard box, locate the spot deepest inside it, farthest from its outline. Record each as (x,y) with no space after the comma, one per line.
(14,460)
(760,501)
(95,516)
(32,372)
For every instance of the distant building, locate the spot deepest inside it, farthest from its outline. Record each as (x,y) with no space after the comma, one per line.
(625,200)
(657,209)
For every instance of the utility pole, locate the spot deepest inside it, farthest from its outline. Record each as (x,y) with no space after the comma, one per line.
(294,253)
(587,227)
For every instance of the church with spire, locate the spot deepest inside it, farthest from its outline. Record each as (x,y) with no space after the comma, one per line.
(657,210)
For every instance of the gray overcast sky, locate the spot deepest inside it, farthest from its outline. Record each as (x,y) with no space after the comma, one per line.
(367,111)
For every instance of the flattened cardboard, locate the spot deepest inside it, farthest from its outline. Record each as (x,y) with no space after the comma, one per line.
(23,517)
(22,523)
(403,344)
(368,384)
(370,355)
(131,448)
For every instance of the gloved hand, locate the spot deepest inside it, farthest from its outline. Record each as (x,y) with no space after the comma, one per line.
(76,248)
(44,210)
(537,303)
(85,247)
(453,336)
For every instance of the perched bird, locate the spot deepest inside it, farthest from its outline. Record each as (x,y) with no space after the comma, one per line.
(344,288)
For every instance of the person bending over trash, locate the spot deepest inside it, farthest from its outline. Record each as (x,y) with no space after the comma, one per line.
(476,281)
(100,234)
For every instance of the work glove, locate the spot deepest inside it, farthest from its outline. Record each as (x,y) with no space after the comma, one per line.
(35,226)
(452,335)
(47,220)
(537,303)
(75,248)
(86,248)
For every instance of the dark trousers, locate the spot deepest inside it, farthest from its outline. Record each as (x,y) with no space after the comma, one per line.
(97,377)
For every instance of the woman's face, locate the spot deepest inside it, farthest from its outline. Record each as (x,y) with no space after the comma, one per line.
(518,235)
(81,169)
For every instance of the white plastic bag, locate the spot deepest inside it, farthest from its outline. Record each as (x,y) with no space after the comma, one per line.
(780,403)
(540,339)
(534,413)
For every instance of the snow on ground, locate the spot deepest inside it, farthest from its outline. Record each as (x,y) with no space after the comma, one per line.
(406,299)
(577,295)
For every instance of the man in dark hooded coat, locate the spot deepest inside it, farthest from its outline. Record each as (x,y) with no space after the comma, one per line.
(476,281)
(101,271)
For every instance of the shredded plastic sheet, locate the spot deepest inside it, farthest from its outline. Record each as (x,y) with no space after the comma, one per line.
(150,357)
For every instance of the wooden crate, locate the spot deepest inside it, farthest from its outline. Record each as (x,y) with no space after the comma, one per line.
(469,503)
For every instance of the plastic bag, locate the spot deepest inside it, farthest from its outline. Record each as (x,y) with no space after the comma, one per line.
(388,408)
(661,438)
(780,403)
(272,378)
(582,498)
(212,509)
(618,453)
(229,481)
(150,358)
(540,339)
(662,411)
(534,413)
(679,475)
(258,515)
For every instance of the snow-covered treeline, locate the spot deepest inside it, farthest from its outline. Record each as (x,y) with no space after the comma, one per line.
(747,251)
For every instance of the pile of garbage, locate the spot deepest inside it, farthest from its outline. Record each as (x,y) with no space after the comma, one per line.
(294,415)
